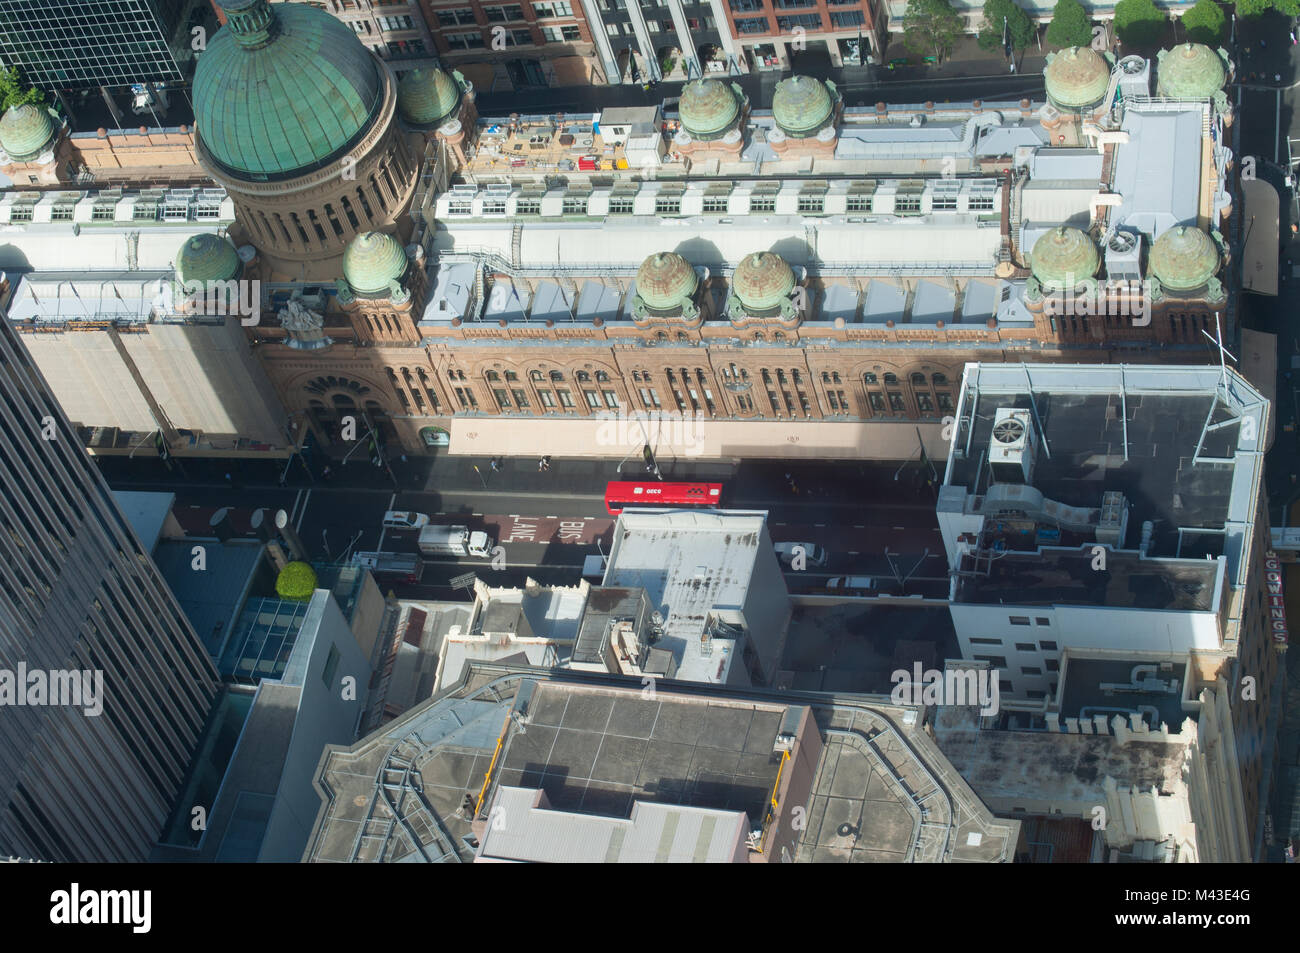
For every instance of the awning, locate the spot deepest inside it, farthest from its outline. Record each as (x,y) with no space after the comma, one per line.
(697,439)
(1259,220)
(1259,365)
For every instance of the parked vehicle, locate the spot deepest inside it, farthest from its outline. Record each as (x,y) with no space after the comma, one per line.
(407,566)
(850,583)
(401,519)
(454,541)
(813,554)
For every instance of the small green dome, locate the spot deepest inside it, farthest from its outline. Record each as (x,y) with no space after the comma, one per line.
(1063,257)
(802,106)
(1077,78)
(207,257)
(708,108)
(1184,258)
(428,97)
(1190,71)
(762,281)
(371,261)
(280,92)
(25,131)
(664,280)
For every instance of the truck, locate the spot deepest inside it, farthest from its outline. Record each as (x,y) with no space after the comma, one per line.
(454,541)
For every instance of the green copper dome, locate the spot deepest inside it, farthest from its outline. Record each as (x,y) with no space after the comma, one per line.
(1064,257)
(371,261)
(801,106)
(282,91)
(762,281)
(1077,78)
(1184,258)
(25,131)
(664,280)
(708,108)
(1190,71)
(207,257)
(428,97)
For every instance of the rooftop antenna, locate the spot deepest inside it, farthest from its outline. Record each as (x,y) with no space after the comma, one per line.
(1217,341)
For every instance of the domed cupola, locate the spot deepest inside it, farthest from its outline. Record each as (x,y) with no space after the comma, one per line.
(283,90)
(27,132)
(802,106)
(761,286)
(709,108)
(373,263)
(1077,78)
(1064,258)
(427,98)
(666,284)
(1184,260)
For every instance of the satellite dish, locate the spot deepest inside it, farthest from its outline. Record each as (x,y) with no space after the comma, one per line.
(1009,431)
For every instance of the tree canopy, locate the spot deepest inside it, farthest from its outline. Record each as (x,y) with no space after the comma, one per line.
(1204,23)
(1139,22)
(297,581)
(1253,8)
(931,27)
(1070,25)
(14,92)
(1019,27)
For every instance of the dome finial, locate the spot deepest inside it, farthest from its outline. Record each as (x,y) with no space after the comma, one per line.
(251,21)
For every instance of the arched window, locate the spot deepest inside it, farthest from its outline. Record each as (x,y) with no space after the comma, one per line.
(583,376)
(940,380)
(602,377)
(869,378)
(826,377)
(511,376)
(778,335)
(681,336)
(493,376)
(535,376)
(891,378)
(918,380)
(660,336)
(758,336)
(556,376)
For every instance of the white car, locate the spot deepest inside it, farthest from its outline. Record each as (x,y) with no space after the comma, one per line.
(401,519)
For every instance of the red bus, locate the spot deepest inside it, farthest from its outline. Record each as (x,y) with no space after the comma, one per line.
(660,495)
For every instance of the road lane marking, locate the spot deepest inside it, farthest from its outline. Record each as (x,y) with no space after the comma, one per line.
(303,512)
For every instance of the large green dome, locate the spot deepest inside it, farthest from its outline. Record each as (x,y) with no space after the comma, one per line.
(427,97)
(708,108)
(1190,71)
(282,91)
(25,131)
(207,257)
(801,106)
(1184,258)
(371,261)
(1064,257)
(1077,78)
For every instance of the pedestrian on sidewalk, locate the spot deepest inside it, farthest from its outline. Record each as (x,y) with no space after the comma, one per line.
(544,464)
(1277,77)
(328,474)
(496,467)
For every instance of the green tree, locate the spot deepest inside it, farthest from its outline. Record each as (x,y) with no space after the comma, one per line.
(14,92)
(1070,25)
(931,27)
(297,581)
(1019,26)
(1204,23)
(1139,22)
(1253,8)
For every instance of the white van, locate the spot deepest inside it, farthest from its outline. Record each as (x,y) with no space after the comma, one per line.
(813,554)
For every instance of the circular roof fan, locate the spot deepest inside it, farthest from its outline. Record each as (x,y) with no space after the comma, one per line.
(1132,64)
(1123,241)
(1009,431)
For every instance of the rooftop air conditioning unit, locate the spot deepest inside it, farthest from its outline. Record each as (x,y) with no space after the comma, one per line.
(1124,257)
(1011,446)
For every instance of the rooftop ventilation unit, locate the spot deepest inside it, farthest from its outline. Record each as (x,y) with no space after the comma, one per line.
(1011,446)
(1134,77)
(1124,257)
